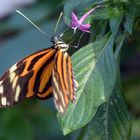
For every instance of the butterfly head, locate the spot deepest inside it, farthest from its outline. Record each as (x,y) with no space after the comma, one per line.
(59,44)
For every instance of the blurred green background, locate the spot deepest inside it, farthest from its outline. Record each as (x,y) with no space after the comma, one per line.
(34,119)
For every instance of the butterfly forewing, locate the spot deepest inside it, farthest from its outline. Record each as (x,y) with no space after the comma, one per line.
(31,76)
(63,81)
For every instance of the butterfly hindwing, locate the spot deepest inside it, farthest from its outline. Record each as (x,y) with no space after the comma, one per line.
(31,76)
(63,81)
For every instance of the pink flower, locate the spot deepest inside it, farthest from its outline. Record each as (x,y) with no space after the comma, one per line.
(78,24)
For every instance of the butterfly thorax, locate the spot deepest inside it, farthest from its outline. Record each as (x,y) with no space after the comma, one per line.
(58,43)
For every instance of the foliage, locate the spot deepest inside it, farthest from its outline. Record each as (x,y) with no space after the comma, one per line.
(96,68)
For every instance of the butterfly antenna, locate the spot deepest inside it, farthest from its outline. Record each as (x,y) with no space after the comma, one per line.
(32,22)
(60,16)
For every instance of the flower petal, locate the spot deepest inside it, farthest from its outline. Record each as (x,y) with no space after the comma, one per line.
(74,17)
(73,24)
(83,18)
(85,26)
(84,29)
(74,20)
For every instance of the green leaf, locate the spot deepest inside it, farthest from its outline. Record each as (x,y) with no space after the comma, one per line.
(99,30)
(94,66)
(112,120)
(107,12)
(115,22)
(119,46)
(130,16)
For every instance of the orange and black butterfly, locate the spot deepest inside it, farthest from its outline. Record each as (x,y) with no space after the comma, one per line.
(42,74)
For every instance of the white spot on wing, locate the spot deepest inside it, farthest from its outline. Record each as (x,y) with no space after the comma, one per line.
(1,82)
(74,98)
(13,68)
(17,93)
(61,109)
(65,54)
(55,95)
(12,76)
(1,89)
(60,42)
(74,81)
(3,101)
(57,88)
(75,84)
(14,82)
(56,105)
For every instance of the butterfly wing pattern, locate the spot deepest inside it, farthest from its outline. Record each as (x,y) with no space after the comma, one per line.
(41,74)
(25,79)
(63,81)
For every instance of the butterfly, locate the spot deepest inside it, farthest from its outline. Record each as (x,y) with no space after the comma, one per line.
(42,74)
